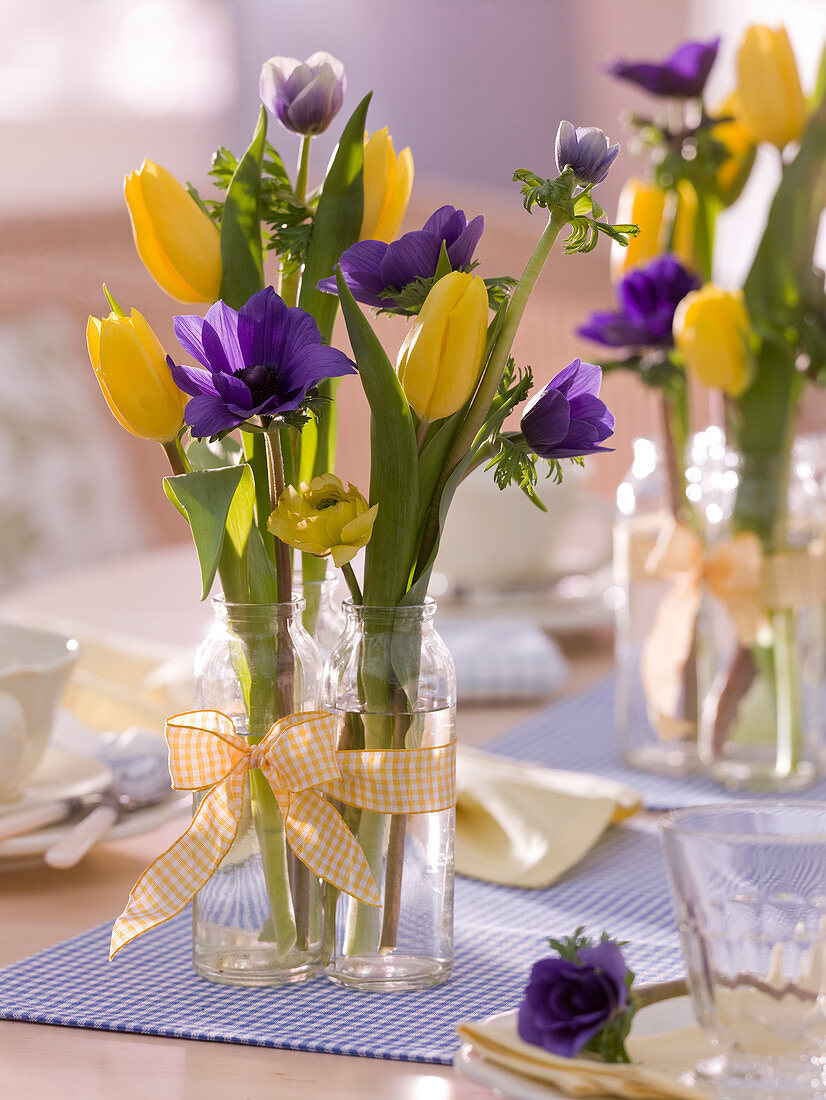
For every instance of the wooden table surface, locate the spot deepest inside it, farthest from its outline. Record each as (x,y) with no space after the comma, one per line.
(154,595)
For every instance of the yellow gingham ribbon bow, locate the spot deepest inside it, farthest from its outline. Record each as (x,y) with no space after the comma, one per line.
(299,759)
(738,573)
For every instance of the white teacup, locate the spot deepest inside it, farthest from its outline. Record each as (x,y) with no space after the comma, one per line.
(34,668)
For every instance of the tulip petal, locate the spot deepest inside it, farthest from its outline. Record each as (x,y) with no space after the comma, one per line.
(396,199)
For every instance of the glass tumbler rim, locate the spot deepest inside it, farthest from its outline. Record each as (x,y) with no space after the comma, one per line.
(683,822)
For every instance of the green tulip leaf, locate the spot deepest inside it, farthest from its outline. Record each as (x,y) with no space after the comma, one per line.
(242,261)
(337,221)
(218,505)
(393,462)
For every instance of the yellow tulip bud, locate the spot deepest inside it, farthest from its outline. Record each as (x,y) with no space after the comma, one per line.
(712,331)
(323,518)
(666,220)
(771,104)
(178,243)
(735,169)
(441,358)
(131,367)
(388,181)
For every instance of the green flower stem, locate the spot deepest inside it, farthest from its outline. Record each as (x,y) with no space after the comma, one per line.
(269,827)
(177,459)
(291,280)
(480,406)
(658,991)
(352,583)
(283,557)
(362,931)
(787,693)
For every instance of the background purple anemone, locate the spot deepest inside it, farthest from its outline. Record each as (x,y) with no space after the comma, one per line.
(683,73)
(648,298)
(371,268)
(260,361)
(567,419)
(566,1004)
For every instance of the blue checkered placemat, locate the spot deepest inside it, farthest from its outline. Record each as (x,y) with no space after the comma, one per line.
(620,886)
(152,989)
(578,733)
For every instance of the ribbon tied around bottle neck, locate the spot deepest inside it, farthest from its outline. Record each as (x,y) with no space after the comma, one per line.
(301,764)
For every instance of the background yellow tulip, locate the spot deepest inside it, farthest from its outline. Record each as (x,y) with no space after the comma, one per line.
(711,330)
(666,220)
(131,368)
(735,169)
(388,181)
(770,100)
(441,358)
(179,244)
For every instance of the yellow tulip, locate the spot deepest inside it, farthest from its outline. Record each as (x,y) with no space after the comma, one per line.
(440,360)
(735,169)
(388,181)
(132,371)
(324,518)
(771,103)
(178,243)
(666,220)
(712,331)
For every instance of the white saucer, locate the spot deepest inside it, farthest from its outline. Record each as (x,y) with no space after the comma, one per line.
(656,1018)
(61,773)
(18,853)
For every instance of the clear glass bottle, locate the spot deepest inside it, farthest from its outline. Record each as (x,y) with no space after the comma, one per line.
(651,736)
(391,683)
(257,921)
(762,721)
(323,617)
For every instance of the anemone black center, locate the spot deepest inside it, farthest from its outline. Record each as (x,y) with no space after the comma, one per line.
(261,381)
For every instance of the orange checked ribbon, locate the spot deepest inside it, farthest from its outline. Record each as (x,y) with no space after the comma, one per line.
(301,763)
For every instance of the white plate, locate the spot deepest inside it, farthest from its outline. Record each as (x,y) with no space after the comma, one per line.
(664,1016)
(62,773)
(18,853)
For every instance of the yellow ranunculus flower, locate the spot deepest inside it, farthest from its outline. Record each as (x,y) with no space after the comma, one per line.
(735,169)
(666,220)
(323,518)
(771,104)
(712,330)
(131,367)
(441,358)
(178,243)
(388,181)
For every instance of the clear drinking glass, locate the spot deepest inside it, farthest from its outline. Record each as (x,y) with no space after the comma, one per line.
(749,887)
(391,683)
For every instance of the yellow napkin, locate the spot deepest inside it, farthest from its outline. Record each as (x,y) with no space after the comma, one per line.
(658,1061)
(121,681)
(521,824)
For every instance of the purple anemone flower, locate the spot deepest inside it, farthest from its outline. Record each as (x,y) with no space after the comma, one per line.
(683,74)
(567,419)
(648,297)
(586,150)
(373,269)
(567,1003)
(260,361)
(305,96)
